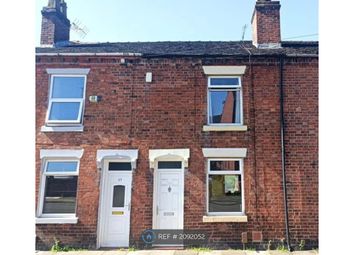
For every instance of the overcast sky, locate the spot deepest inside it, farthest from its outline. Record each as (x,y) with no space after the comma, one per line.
(180,20)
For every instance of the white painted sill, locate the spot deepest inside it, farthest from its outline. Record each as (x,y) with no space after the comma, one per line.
(62,129)
(207,128)
(228,218)
(57,220)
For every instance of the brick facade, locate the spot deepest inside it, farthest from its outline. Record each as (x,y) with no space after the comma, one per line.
(170,113)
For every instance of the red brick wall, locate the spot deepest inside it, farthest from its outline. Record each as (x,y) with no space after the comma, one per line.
(170,113)
(266,23)
(47,31)
(301,115)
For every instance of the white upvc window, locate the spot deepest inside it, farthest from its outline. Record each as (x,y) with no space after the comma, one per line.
(66,99)
(58,186)
(225,186)
(225,100)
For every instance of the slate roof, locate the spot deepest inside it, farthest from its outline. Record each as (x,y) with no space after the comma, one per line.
(188,48)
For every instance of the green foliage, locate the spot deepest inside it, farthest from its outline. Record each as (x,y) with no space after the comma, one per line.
(57,247)
(131,248)
(302,245)
(200,249)
(281,247)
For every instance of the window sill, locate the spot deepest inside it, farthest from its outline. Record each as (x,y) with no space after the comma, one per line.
(56,220)
(207,128)
(62,129)
(228,218)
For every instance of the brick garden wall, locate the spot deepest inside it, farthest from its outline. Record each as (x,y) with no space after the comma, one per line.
(170,113)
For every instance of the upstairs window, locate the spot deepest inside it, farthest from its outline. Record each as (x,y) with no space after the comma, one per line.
(224,100)
(66,99)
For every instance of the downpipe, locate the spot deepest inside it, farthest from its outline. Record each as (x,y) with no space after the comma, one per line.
(282,134)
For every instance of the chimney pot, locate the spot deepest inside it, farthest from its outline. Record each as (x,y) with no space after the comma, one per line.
(63,7)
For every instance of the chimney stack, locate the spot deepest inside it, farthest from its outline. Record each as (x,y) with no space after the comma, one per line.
(266,24)
(55,24)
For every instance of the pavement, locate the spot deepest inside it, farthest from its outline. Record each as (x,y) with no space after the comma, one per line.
(177,252)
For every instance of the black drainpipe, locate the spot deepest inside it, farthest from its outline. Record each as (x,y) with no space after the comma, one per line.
(282,134)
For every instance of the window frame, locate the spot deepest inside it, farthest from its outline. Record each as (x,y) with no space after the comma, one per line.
(119,161)
(224,88)
(226,172)
(79,120)
(43,183)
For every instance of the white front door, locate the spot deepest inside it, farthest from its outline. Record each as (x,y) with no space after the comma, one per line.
(169,189)
(115,207)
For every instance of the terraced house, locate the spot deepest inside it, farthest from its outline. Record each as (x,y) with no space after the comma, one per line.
(215,136)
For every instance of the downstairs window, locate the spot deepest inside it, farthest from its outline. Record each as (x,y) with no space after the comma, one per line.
(225,187)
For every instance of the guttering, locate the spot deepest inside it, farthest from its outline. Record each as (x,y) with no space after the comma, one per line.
(303,55)
(121,54)
(228,55)
(282,135)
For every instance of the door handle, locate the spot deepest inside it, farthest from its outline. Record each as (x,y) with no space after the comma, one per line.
(157,210)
